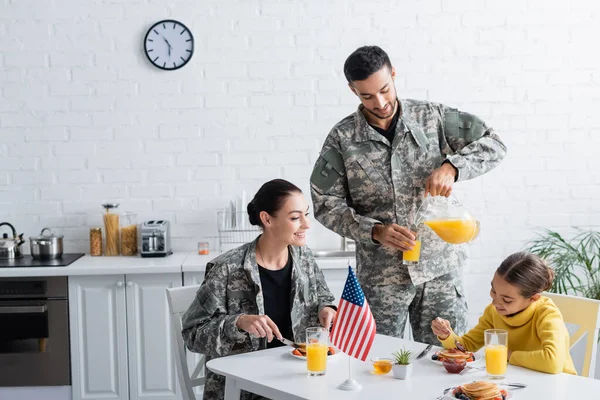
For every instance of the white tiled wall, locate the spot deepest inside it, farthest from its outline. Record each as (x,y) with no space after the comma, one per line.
(84,118)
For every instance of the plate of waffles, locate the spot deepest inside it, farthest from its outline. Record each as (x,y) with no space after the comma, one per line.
(480,390)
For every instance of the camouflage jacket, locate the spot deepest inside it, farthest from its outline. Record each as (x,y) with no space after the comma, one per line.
(361,179)
(232,287)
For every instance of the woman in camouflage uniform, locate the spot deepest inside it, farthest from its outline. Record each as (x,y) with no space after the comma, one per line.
(269,288)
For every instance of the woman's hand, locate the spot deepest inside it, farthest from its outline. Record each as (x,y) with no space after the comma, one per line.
(441,328)
(259,326)
(326,316)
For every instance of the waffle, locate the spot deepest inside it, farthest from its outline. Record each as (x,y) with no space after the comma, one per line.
(481,390)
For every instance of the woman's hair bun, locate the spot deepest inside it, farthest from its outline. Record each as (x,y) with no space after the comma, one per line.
(253,214)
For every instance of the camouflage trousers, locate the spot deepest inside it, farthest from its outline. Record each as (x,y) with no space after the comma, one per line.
(441,297)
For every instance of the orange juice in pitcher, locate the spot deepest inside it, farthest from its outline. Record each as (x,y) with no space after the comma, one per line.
(454,231)
(449,219)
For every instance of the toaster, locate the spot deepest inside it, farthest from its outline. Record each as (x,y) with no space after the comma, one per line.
(156,238)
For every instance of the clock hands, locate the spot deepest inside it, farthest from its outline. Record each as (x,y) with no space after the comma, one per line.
(168,44)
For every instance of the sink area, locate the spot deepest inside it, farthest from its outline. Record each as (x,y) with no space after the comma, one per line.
(333,253)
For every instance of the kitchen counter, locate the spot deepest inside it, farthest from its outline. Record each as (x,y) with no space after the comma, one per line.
(88,265)
(195,262)
(176,262)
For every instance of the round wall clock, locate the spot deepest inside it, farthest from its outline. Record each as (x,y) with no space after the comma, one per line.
(169,45)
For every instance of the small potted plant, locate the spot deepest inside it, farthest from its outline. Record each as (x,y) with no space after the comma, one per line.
(402,366)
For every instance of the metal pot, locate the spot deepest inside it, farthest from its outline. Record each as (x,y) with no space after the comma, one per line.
(46,247)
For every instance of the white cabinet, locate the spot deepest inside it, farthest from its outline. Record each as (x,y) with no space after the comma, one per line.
(121,338)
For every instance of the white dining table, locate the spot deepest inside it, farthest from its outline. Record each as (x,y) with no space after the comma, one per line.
(276,374)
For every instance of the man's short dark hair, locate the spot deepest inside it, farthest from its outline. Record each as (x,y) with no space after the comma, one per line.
(364,62)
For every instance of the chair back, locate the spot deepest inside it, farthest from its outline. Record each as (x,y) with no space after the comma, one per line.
(179,299)
(585,313)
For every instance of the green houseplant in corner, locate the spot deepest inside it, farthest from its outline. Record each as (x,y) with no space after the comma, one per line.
(576,261)
(402,367)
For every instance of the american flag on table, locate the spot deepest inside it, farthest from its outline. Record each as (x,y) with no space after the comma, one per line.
(354,326)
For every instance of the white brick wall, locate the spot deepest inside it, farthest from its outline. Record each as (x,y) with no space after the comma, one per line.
(84,118)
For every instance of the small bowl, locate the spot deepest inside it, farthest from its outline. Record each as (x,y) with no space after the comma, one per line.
(454,366)
(382,366)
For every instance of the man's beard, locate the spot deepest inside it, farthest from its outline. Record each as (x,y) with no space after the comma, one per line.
(391,112)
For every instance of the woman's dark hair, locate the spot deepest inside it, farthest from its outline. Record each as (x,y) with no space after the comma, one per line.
(528,272)
(364,62)
(270,198)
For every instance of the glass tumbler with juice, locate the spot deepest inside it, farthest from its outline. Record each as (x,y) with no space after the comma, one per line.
(496,353)
(317,340)
(413,255)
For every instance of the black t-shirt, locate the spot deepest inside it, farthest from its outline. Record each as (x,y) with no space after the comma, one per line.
(390,132)
(277,288)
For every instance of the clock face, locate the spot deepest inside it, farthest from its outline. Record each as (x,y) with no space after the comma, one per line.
(169,45)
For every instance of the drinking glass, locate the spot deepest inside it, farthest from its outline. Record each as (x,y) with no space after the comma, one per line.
(496,353)
(317,339)
(411,257)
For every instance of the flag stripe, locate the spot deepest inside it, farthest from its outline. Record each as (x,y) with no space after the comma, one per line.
(353,310)
(358,330)
(369,335)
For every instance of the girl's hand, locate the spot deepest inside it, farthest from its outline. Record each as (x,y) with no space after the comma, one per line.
(441,328)
(326,316)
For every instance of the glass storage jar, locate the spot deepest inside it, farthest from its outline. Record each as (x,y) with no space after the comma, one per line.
(95,241)
(111,229)
(129,238)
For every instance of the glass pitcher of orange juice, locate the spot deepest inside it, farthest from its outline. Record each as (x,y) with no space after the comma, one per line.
(448,218)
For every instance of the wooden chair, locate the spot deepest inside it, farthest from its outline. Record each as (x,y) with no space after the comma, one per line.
(585,313)
(179,299)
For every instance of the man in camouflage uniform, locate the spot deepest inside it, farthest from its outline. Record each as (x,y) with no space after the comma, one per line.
(367,185)
(232,288)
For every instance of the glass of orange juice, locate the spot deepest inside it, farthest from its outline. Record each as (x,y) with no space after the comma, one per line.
(496,353)
(412,256)
(317,339)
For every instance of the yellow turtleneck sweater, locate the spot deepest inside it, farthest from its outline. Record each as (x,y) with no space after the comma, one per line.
(537,337)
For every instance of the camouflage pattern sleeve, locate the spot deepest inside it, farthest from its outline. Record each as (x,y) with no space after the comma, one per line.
(206,326)
(324,296)
(471,146)
(330,196)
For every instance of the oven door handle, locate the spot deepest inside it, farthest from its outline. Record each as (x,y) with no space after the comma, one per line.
(23,309)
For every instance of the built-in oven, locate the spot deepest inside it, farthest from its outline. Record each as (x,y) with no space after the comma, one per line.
(34,332)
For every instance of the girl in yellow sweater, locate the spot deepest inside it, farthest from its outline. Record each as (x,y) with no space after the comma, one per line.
(537,336)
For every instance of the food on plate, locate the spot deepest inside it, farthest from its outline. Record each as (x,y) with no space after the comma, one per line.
(454,366)
(453,354)
(479,390)
(301,350)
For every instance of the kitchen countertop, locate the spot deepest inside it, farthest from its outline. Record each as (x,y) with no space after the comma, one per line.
(176,262)
(195,262)
(88,265)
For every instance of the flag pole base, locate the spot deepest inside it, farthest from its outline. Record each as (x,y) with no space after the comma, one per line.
(350,385)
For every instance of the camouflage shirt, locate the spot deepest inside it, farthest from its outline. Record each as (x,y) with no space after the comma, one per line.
(361,179)
(232,288)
